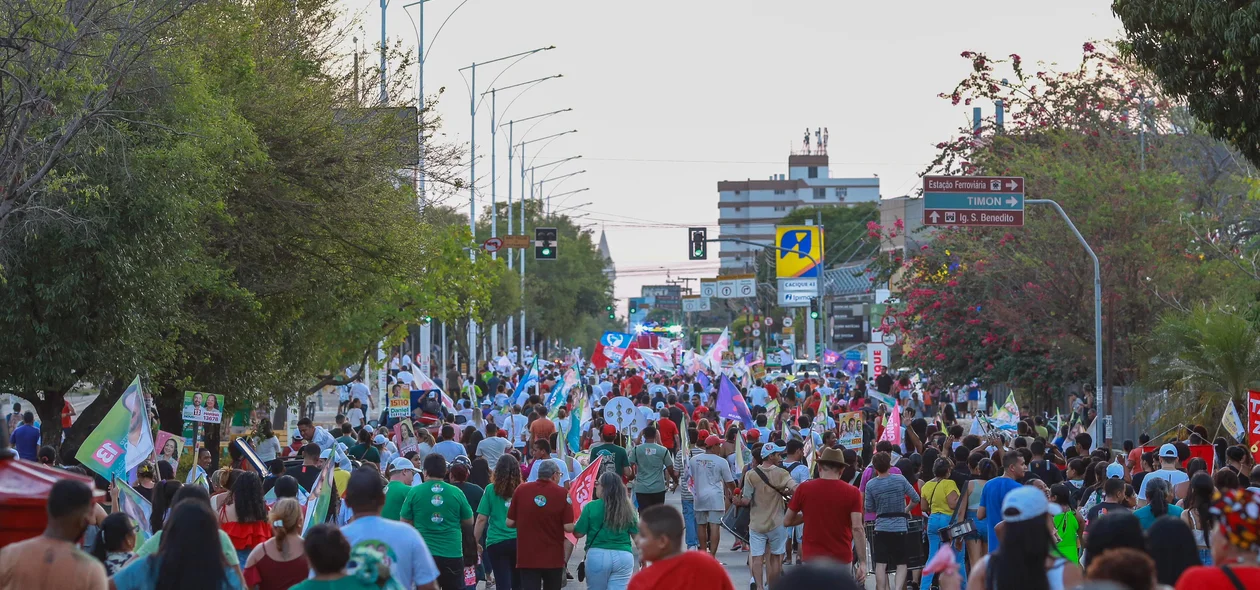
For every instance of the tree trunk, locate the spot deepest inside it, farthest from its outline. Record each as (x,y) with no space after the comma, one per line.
(48,405)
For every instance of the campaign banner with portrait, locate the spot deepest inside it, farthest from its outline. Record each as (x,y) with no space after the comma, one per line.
(122,440)
(169,446)
(849,430)
(203,407)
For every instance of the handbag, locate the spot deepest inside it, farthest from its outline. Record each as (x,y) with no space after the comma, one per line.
(959,529)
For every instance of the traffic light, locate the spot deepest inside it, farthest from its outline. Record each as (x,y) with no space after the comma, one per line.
(611,314)
(699,246)
(545,243)
(634,308)
(813,309)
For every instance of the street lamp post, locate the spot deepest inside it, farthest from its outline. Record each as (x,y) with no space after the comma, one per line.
(494,130)
(548,196)
(472,178)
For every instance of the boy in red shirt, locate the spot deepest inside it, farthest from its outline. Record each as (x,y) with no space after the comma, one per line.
(660,543)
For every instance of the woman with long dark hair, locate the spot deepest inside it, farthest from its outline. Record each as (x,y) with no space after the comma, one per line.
(1068,523)
(189,557)
(243,515)
(500,544)
(1198,513)
(1015,564)
(608,523)
(1158,494)
(163,495)
(115,542)
(1171,544)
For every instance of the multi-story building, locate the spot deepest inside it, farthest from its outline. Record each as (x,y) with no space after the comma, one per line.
(749,209)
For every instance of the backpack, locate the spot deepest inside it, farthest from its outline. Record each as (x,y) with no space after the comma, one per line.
(608,465)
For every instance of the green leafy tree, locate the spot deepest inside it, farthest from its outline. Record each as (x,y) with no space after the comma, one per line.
(1016,305)
(1203,358)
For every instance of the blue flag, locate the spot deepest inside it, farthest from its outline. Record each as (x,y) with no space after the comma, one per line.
(522,389)
(703,378)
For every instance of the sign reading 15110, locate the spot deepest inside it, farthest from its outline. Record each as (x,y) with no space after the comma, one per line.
(973,200)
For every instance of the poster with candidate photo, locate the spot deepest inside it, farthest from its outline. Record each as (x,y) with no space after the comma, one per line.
(203,407)
(849,430)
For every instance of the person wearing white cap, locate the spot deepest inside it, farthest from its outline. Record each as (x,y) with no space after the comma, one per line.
(1167,471)
(381,443)
(401,473)
(1026,516)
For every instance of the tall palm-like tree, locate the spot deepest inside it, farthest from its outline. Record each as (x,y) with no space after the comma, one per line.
(1204,358)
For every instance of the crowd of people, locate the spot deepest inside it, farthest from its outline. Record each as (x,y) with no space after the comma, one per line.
(482,490)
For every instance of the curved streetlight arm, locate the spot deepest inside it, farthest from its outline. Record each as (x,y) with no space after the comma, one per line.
(502,88)
(553,163)
(555,178)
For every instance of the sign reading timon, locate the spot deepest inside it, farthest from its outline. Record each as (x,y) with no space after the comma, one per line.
(973,201)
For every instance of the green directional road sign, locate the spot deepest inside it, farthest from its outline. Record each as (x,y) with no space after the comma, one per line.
(987,201)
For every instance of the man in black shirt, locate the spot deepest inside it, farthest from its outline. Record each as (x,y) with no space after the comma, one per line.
(1113,500)
(1043,467)
(884,382)
(309,469)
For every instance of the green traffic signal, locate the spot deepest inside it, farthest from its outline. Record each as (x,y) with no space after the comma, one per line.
(612,316)
(546,251)
(813,315)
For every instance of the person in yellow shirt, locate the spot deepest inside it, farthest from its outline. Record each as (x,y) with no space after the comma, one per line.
(939,499)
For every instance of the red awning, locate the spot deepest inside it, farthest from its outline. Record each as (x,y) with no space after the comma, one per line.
(28,483)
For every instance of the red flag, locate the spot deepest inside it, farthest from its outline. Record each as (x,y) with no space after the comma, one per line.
(582,492)
(1253,422)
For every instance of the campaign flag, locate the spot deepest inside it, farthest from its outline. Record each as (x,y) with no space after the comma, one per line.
(583,491)
(423,382)
(742,457)
(320,498)
(575,357)
(691,362)
(1007,416)
(122,440)
(731,404)
(704,380)
(830,357)
(561,393)
(1253,422)
(610,349)
(657,360)
(1233,423)
(713,358)
(575,424)
(522,387)
(134,505)
(892,430)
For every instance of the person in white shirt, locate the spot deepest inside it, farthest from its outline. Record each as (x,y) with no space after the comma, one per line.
(517,427)
(355,414)
(394,364)
(493,447)
(1167,471)
(316,434)
(360,391)
(542,453)
(412,565)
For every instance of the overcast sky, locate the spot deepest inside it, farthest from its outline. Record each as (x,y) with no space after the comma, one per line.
(669,97)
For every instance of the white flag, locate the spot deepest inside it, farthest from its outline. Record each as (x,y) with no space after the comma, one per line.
(1233,423)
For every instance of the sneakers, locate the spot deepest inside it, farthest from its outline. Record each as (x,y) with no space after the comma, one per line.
(752,585)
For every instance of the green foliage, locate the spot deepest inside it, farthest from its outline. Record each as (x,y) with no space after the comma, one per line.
(1204,358)
(1016,305)
(1204,54)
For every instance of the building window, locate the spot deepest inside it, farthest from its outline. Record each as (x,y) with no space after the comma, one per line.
(820,193)
(842,192)
(780,208)
(739,225)
(737,193)
(813,172)
(739,208)
(779,191)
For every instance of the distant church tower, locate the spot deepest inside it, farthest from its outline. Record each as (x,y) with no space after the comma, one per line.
(610,270)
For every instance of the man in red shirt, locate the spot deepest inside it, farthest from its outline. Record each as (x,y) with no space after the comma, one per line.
(539,511)
(633,384)
(67,414)
(772,390)
(832,512)
(668,431)
(660,543)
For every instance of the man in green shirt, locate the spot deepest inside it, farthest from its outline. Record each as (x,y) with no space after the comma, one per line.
(401,474)
(347,435)
(611,452)
(653,461)
(440,512)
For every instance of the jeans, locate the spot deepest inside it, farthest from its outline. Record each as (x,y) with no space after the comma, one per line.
(450,572)
(502,558)
(689,521)
(935,523)
(608,569)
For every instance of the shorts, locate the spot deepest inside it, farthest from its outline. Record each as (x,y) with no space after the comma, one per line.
(709,516)
(797,533)
(890,548)
(776,540)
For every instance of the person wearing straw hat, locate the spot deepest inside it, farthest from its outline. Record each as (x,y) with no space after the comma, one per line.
(831,510)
